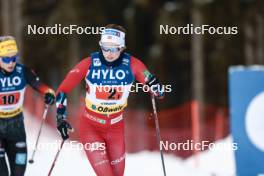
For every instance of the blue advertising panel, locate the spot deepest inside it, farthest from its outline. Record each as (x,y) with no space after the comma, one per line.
(246,95)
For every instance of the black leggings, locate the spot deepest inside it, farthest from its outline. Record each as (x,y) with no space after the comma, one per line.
(13,144)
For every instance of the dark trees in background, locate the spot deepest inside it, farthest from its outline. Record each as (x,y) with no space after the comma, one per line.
(196,66)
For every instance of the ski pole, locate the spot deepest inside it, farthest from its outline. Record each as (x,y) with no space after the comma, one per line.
(40,129)
(158,132)
(56,157)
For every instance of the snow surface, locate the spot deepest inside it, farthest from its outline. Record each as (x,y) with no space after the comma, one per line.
(73,162)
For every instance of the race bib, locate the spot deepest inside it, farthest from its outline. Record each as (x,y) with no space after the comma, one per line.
(109,93)
(9,99)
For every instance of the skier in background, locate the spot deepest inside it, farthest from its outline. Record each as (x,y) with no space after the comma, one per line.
(13,78)
(109,75)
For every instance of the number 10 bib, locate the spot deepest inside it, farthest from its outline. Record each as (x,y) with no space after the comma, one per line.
(12,89)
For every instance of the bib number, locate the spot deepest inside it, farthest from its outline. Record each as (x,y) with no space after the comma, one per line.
(9,99)
(111,93)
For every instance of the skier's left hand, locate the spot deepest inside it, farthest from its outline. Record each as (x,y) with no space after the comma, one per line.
(155,86)
(49,97)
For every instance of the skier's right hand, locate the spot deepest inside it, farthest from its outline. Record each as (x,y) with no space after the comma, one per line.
(63,126)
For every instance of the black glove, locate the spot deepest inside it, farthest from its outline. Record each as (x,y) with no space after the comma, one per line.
(49,98)
(63,126)
(155,86)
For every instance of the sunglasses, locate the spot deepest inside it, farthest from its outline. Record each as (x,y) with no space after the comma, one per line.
(7,60)
(110,49)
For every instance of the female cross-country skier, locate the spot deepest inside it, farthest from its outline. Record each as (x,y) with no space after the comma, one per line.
(13,80)
(108,74)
